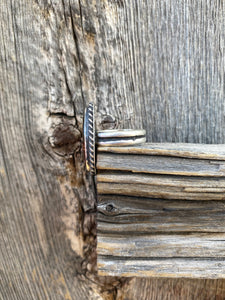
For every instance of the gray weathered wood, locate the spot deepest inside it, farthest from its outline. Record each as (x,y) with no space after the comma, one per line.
(156,65)
(210,152)
(121,214)
(156,186)
(195,268)
(43,188)
(159,245)
(141,160)
(148,211)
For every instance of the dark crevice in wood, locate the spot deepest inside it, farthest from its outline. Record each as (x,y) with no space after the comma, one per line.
(64,11)
(128,234)
(78,53)
(67,84)
(61,114)
(81,16)
(124,258)
(151,175)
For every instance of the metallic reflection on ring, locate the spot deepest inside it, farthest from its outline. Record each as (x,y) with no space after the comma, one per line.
(120,137)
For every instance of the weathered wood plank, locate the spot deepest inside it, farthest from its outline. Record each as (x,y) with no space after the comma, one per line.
(119,214)
(42,179)
(155,245)
(167,192)
(160,164)
(161,186)
(200,151)
(160,68)
(187,183)
(161,202)
(195,268)
(174,289)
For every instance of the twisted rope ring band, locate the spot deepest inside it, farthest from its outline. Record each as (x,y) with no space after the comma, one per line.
(89,138)
(105,138)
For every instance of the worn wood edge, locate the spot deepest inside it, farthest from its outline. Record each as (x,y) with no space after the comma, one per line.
(198,151)
(167,224)
(163,165)
(152,191)
(162,245)
(171,268)
(161,180)
(157,186)
(129,204)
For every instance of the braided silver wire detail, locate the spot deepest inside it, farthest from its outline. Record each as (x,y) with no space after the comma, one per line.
(91,133)
(89,138)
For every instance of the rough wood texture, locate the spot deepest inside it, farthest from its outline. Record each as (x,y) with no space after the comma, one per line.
(162,186)
(128,214)
(160,245)
(213,152)
(47,206)
(177,267)
(158,267)
(173,289)
(151,64)
(161,211)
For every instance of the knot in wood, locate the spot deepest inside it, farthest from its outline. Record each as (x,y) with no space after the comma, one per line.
(65,139)
(108,209)
(108,122)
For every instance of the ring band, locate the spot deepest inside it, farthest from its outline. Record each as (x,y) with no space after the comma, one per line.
(120,133)
(89,138)
(105,138)
(120,137)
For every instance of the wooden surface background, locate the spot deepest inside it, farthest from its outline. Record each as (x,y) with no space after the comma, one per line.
(161,210)
(152,64)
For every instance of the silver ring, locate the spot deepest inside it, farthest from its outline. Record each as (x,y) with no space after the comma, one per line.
(120,137)
(120,133)
(105,138)
(89,138)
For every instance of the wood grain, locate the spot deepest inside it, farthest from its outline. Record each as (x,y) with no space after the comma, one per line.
(148,213)
(166,63)
(176,267)
(156,65)
(41,167)
(160,245)
(142,162)
(121,214)
(176,289)
(199,151)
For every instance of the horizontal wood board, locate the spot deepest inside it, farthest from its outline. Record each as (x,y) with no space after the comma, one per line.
(161,210)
